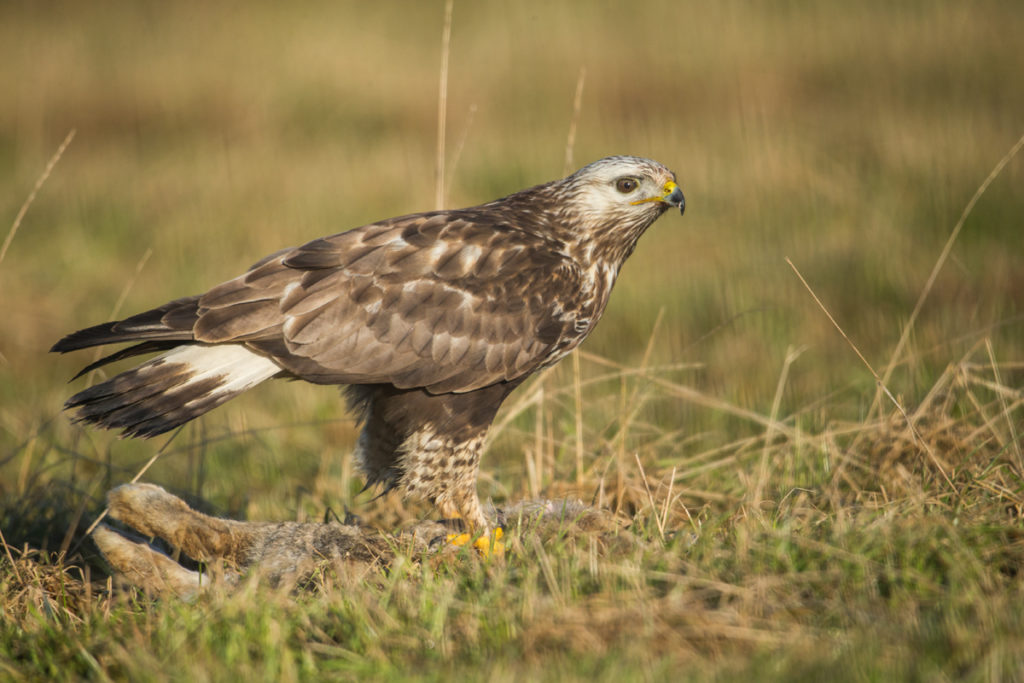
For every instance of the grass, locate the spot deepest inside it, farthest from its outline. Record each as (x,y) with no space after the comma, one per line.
(783,520)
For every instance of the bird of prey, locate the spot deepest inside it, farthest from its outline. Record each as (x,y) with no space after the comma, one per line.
(429,320)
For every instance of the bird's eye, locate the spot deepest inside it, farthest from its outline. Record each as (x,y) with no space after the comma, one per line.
(626,185)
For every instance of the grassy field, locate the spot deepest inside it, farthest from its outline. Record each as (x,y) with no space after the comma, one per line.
(784,518)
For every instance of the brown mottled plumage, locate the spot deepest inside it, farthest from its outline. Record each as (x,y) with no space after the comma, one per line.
(430,320)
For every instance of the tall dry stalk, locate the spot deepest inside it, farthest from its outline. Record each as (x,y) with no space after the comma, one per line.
(35,190)
(570,144)
(879,383)
(897,353)
(442,104)
(577,106)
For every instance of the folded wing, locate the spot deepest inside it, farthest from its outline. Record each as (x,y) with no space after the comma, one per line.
(436,300)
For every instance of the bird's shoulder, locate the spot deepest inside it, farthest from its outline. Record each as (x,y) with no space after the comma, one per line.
(460,245)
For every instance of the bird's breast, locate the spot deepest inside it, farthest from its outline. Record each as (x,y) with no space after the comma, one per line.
(578,311)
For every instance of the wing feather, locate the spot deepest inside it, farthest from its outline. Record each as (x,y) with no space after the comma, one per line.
(438,300)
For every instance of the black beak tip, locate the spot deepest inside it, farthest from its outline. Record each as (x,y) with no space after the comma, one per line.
(676,198)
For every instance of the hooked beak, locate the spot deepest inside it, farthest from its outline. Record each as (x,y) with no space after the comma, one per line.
(674,196)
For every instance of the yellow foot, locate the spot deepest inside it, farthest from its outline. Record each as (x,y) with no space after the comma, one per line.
(488,544)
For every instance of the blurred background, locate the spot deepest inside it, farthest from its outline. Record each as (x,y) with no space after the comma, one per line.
(848,137)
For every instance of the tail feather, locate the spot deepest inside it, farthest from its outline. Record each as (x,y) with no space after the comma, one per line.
(171,322)
(136,350)
(172,388)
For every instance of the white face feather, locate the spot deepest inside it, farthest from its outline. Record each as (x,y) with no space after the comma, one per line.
(603,194)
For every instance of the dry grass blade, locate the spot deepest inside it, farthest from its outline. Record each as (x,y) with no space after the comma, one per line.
(668,500)
(1014,439)
(570,144)
(527,401)
(577,394)
(630,407)
(457,155)
(650,498)
(442,104)
(10,558)
(535,464)
(692,395)
(910,424)
(763,469)
(120,302)
(134,480)
(547,568)
(131,283)
(35,189)
(69,535)
(833,321)
(905,336)
(577,106)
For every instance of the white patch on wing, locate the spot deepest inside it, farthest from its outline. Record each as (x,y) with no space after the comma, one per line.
(237,367)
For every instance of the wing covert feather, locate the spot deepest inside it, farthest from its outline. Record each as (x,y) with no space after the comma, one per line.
(434,300)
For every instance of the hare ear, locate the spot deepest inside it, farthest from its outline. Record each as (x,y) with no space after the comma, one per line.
(280,554)
(152,511)
(139,564)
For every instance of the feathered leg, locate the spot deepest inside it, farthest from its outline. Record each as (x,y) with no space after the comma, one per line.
(427,444)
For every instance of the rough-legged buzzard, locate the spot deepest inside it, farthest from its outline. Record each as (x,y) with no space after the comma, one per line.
(429,320)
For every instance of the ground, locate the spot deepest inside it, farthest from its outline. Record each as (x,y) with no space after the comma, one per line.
(779,517)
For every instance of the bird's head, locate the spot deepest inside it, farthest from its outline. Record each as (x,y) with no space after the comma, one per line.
(615,184)
(616,199)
